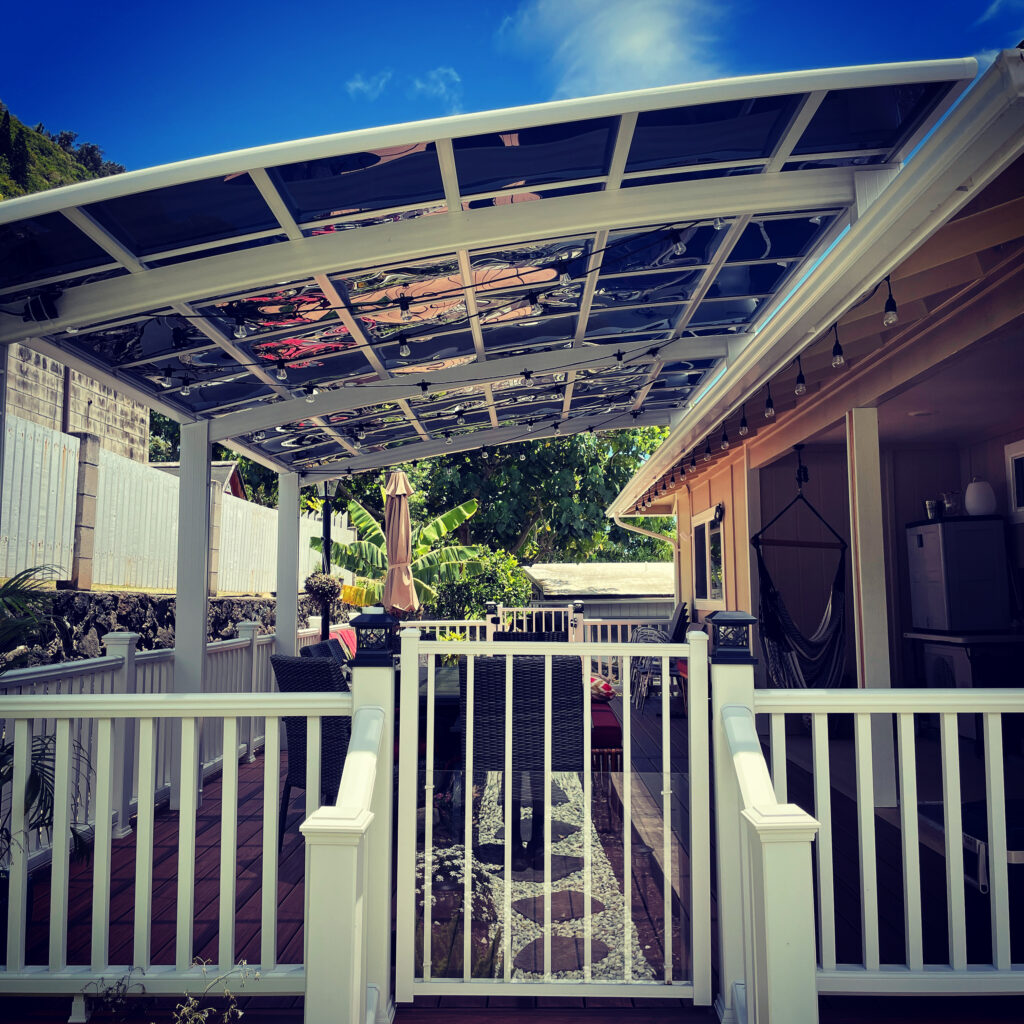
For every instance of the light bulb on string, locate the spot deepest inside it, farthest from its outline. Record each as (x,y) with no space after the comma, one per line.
(528,380)
(769,405)
(403,347)
(891,315)
(707,449)
(360,433)
(186,390)
(484,453)
(838,359)
(718,224)
(801,381)
(460,419)
(167,380)
(678,245)
(240,331)
(744,426)
(281,373)
(522,456)
(447,438)
(405,315)
(693,460)
(311,394)
(724,443)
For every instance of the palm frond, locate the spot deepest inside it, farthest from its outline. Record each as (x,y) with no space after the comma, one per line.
(444,524)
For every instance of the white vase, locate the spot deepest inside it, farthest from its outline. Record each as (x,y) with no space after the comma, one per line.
(979,498)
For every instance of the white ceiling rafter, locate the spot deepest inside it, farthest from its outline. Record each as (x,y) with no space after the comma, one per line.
(471,376)
(248,269)
(487,438)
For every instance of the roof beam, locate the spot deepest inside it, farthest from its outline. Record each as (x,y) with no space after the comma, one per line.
(475,374)
(482,438)
(429,236)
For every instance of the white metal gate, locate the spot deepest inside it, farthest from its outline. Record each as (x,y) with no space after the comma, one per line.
(611,895)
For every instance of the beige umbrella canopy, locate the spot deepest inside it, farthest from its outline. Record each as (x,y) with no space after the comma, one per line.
(399,589)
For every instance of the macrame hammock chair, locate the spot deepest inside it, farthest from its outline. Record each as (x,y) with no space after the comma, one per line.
(794,660)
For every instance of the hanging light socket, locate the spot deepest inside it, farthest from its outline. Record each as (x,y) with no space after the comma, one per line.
(281,373)
(891,315)
(801,381)
(707,449)
(724,443)
(769,405)
(744,426)
(838,359)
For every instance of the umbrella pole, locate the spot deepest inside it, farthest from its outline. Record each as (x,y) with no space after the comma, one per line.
(325,604)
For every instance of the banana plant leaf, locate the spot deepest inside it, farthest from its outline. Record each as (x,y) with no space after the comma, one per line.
(367,527)
(427,536)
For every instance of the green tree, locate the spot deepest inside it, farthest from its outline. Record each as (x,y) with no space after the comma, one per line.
(432,563)
(501,578)
(545,500)
(20,159)
(5,134)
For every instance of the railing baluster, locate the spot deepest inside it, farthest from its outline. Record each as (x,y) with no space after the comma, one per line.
(228,846)
(428,826)
(995,802)
(548,725)
(312,764)
(189,764)
(627,826)
(955,902)
(102,844)
(467,790)
(666,814)
(17,878)
(823,812)
(911,849)
(588,861)
(510,782)
(271,824)
(698,752)
(61,827)
(779,772)
(144,830)
(866,838)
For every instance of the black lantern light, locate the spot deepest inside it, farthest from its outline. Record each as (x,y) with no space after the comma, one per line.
(730,637)
(491,610)
(376,635)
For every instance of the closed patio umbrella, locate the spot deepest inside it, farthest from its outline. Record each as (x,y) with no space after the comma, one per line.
(399,589)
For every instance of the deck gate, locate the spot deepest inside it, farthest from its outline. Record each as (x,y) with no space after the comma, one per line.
(614,898)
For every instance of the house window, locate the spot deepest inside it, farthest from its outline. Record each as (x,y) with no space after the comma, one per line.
(708,561)
(1015,480)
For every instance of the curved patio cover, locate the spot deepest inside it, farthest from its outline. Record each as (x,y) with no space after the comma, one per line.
(359,300)
(399,587)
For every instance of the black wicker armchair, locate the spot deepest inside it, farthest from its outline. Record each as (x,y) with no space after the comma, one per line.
(330,649)
(529,726)
(311,674)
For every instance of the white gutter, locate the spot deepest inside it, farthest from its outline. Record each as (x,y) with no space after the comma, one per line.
(976,142)
(641,530)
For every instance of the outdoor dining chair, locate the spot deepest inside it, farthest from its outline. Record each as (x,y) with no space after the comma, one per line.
(331,648)
(311,675)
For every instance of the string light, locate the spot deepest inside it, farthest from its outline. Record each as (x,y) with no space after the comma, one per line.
(403,305)
(891,316)
(718,224)
(801,382)
(724,443)
(838,359)
(484,453)
(447,438)
(282,371)
(707,449)
(240,331)
(693,460)
(744,426)
(72,330)
(311,393)
(403,347)
(167,380)
(528,378)
(460,419)
(522,456)
(678,245)
(769,405)
(424,386)
(186,390)
(360,433)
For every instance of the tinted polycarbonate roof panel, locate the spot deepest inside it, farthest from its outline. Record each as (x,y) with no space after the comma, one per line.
(359,182)
(44,246)
(534,156)
(187,214)
(490,277)
(709,133)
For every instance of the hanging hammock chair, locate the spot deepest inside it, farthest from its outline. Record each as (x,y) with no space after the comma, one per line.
(794,660)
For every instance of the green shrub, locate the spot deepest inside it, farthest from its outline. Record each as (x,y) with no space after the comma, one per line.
(501,579)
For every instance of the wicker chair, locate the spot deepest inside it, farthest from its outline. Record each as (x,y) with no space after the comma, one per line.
(645,673)
(311,675)
(489,709)
(533,636)
(330,649)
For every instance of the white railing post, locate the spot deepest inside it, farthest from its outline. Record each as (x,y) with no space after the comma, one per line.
(373,685)
(781,983)
(122,645)
(405,951)
(732,683)
(249,632)
(343,917)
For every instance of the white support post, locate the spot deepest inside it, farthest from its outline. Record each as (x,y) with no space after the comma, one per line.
(752,480)
(190,606)
(870,612)
(249,632)
(781,985)
(122,645)
(287,563)
(374,686)
(731,684)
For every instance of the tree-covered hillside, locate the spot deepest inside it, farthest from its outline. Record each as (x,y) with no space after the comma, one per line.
(34,159)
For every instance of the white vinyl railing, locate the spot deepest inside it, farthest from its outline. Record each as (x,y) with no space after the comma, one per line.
(104,714)
(421,859)
(938,773)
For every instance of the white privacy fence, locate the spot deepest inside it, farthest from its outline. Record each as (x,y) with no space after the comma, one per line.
(37,513)
(134,517)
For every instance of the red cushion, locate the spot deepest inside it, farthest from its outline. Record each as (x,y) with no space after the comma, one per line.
(347,636)
(605,731)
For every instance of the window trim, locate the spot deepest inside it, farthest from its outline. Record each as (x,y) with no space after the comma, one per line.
(1014,452)
(707,603)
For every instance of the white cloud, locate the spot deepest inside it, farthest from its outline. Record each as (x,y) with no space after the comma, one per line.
(370,88)
(599,46)
(441,83)
(999,7)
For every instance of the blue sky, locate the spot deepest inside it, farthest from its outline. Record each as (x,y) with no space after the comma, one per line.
(152,83)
